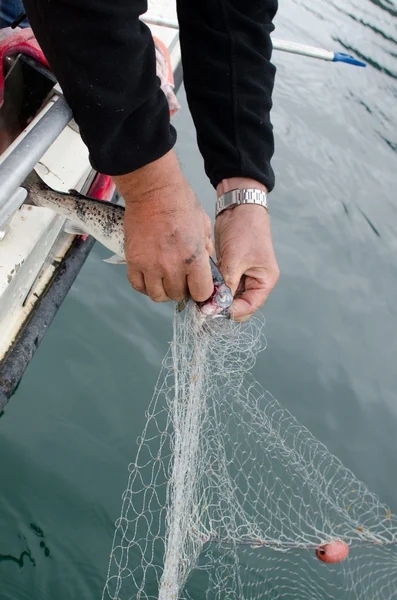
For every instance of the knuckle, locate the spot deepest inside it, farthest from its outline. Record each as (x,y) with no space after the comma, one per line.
(132,254)
(139,288)
(136,284)
(159,298)
(134,267)
(232,280)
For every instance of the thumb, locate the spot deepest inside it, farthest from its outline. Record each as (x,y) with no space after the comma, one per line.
(209,245)
(232,270)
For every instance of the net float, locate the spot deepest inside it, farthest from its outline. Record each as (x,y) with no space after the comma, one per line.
(334,552)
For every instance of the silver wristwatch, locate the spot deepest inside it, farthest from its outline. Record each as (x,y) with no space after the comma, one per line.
(236,197)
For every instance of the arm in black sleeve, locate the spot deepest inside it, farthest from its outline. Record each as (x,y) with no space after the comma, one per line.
(226,50)
(104,59)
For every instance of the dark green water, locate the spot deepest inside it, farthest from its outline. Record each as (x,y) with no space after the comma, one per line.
(68,434)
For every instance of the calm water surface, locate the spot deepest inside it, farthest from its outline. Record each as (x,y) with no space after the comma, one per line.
(69,433)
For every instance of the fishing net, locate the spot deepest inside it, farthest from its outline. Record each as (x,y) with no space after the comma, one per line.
(229,496)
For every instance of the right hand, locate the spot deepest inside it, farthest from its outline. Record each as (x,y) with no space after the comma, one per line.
(168,236)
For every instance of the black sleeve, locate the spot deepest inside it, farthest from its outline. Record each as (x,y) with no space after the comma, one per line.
(226,50)
(104,59)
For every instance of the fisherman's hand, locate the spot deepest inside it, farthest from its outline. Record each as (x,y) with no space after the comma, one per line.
(168,235)
(245,253)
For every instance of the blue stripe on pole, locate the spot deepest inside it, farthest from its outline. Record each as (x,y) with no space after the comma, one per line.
(349,59)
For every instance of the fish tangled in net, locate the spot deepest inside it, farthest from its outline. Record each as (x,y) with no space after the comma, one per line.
(229,497)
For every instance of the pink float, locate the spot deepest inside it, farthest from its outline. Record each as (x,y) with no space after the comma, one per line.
(334,552)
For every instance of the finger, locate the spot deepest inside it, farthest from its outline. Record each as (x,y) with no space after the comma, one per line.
(155,288)
(232,266)
(137,281)
(209,245)
(209,242)
(199,280)
(243,319)
(175,287)
(232,272)
(248,303)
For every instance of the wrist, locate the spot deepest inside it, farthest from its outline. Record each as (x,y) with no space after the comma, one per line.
(238,183)
(146,183)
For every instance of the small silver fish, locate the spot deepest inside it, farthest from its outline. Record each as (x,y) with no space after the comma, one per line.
(219,302)
(103,220)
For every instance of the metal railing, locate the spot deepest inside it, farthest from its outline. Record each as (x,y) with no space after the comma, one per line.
(20,162)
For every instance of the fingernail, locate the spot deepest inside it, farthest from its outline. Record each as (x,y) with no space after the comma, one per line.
(242,319)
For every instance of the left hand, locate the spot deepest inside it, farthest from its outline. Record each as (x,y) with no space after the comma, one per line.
(246,257)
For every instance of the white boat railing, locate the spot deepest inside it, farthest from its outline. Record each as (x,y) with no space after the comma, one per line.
(7,209)
(27,153)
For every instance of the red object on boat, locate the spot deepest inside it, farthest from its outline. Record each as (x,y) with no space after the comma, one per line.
(20,40)
(172,102)
(102,187)
(334,552)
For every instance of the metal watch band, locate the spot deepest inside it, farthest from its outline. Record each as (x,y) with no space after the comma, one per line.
(237,197)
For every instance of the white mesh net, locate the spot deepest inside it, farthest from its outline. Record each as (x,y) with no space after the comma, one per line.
(229,496)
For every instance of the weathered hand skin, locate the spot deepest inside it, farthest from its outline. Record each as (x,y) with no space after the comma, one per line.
(168,235)
(245,252)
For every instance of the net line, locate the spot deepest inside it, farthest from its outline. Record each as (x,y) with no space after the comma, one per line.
(227,489)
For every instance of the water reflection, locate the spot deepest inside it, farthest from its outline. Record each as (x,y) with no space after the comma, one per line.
(19,560)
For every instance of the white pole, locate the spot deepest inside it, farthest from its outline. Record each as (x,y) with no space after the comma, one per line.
(302,49)
(160,21)
(284,46)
